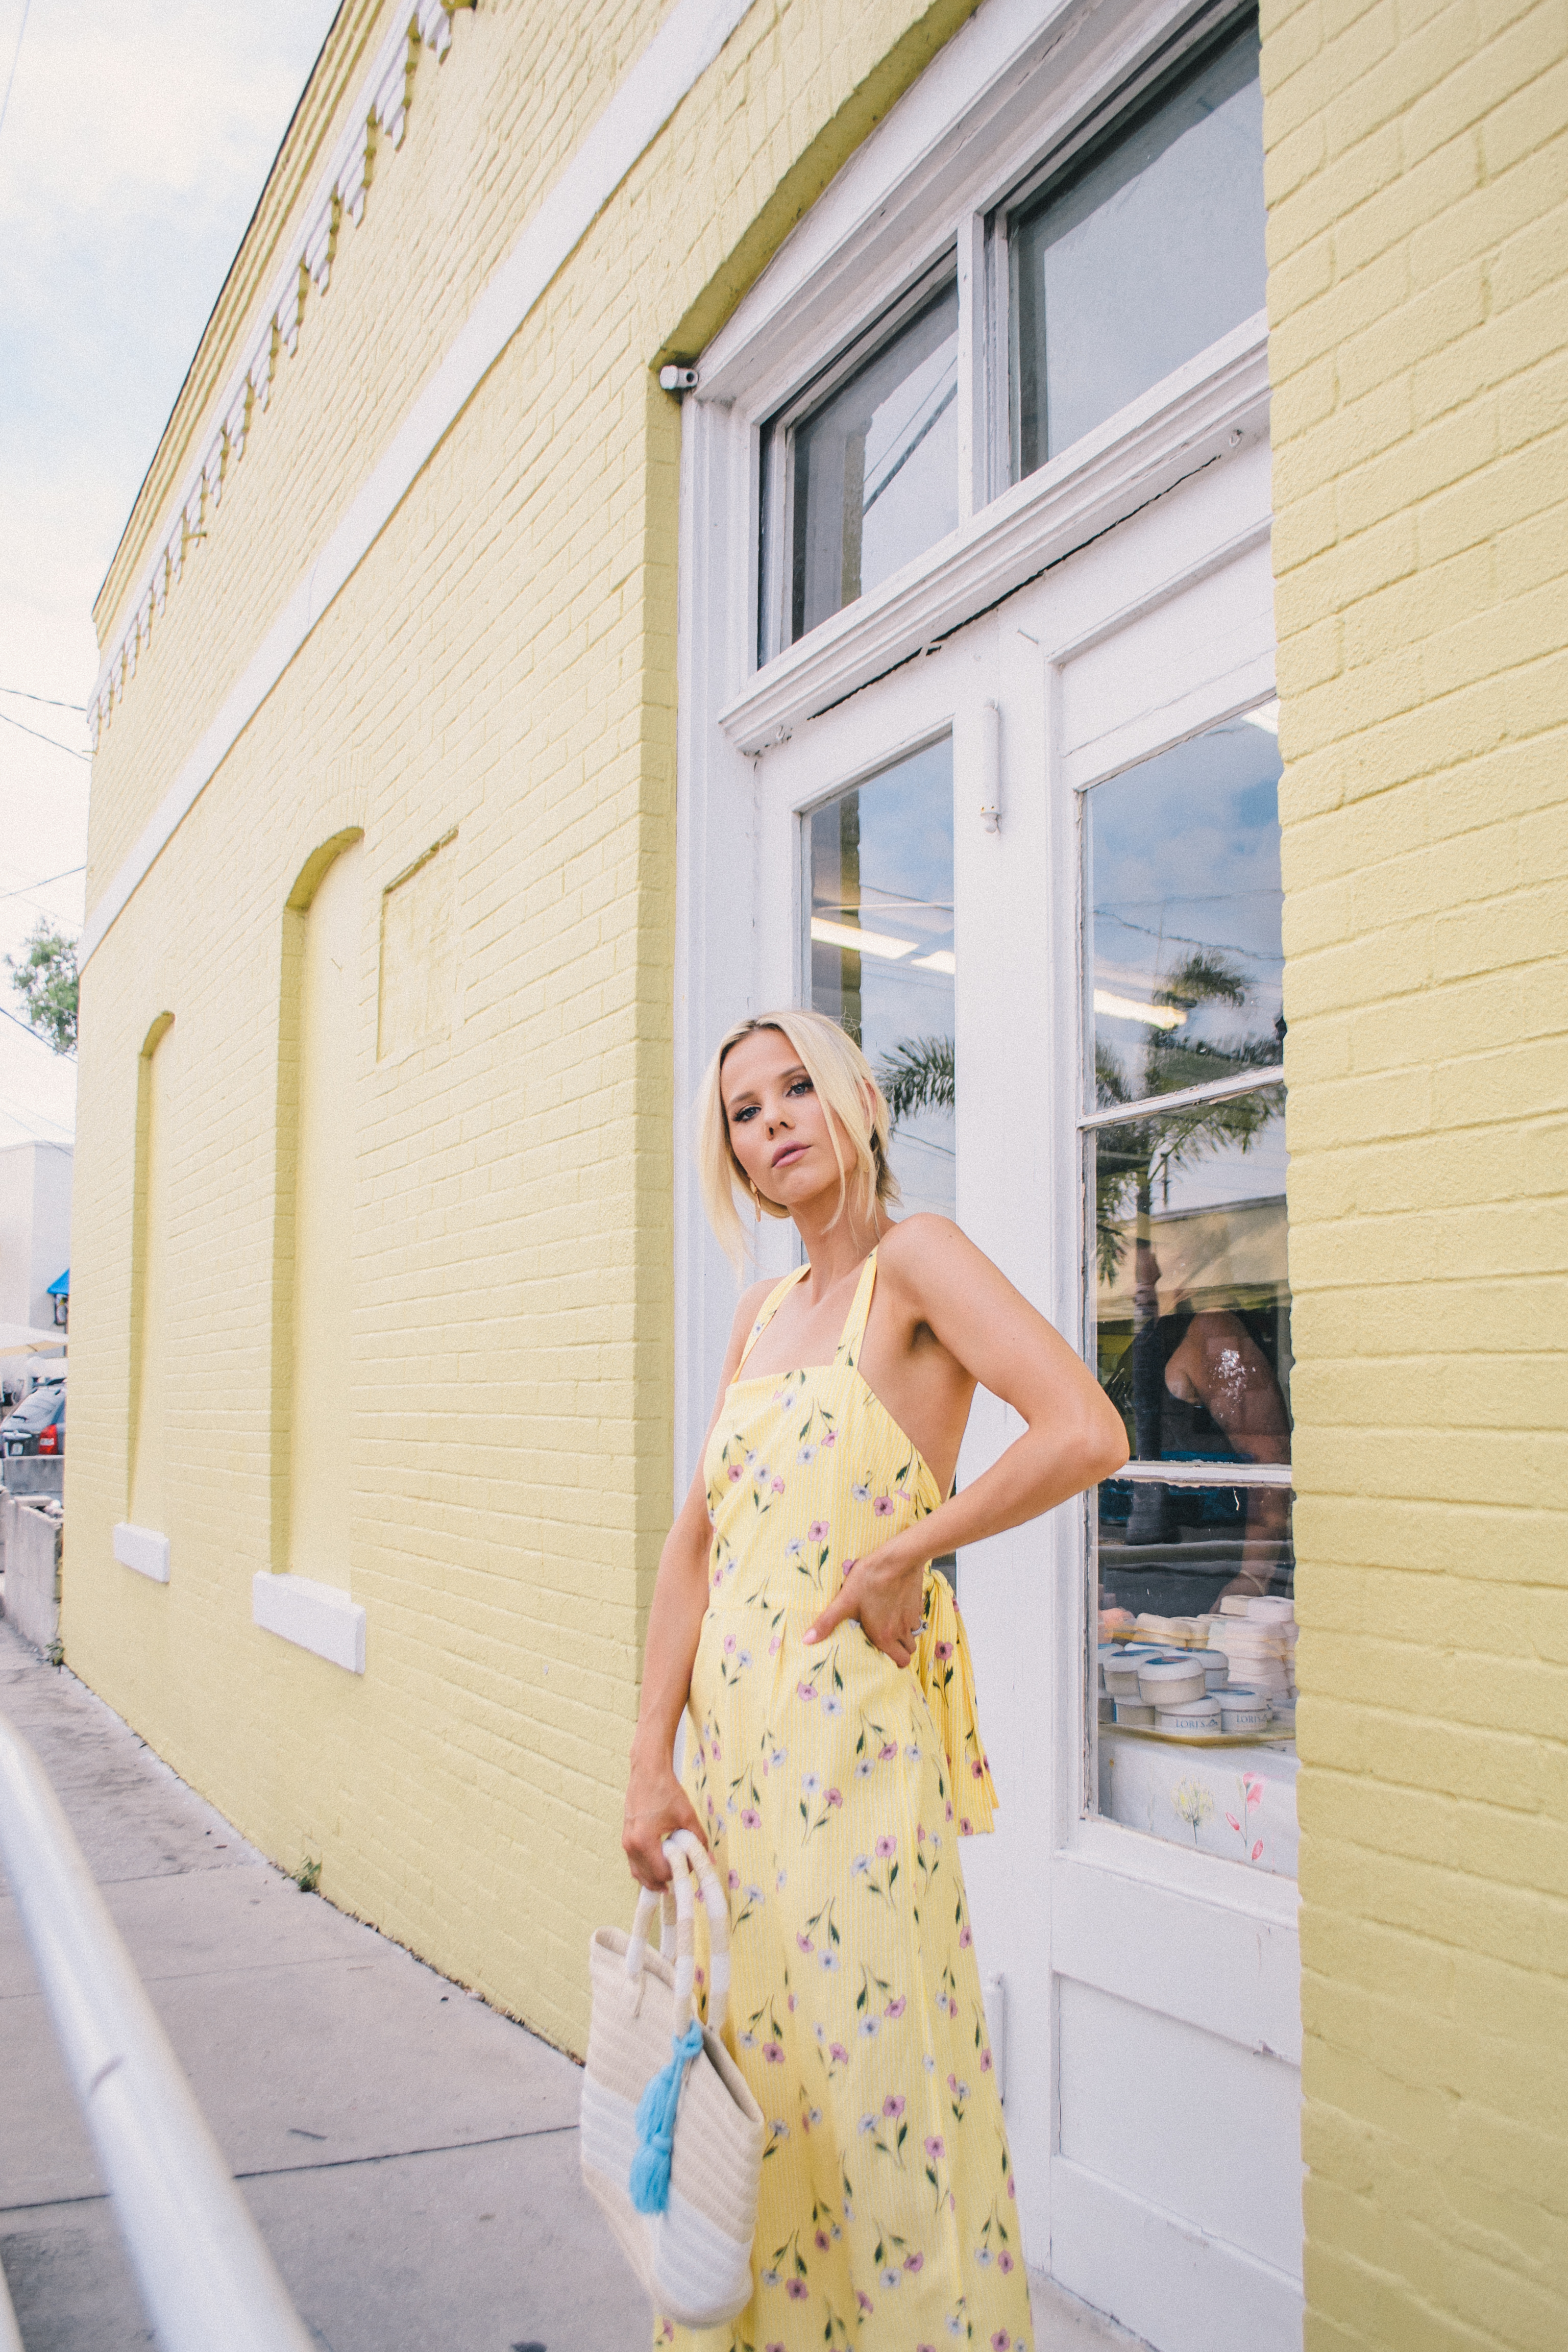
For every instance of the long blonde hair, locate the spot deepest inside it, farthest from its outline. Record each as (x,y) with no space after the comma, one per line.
(846,1087)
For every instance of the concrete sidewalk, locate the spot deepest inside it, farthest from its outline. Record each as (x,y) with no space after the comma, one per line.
(410,2156)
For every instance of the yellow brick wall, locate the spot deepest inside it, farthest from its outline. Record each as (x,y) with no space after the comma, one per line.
(501,670)
(1417,179)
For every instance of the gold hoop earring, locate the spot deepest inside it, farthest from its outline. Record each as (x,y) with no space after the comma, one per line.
(756,1198)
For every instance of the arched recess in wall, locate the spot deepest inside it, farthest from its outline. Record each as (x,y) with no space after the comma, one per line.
(146,1499)
(320,1015)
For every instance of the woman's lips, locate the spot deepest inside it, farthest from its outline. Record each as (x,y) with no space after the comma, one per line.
(786,1153)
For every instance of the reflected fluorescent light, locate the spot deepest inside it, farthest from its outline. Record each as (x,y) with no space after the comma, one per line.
(1265,716)
(940,959)
(871,943)
(1127,1008)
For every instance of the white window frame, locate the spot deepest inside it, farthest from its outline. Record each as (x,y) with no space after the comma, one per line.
(1016,85)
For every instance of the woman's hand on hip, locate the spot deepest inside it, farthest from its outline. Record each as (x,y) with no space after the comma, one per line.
(656,1804)
(886,1591)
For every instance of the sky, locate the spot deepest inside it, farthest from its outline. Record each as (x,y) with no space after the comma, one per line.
(134,146)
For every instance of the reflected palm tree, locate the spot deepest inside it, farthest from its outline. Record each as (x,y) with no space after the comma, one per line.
(1136,1158)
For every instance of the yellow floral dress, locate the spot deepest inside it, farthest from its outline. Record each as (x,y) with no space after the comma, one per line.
(832,1788)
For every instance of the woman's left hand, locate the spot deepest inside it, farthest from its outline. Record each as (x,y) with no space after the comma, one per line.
(886,1591)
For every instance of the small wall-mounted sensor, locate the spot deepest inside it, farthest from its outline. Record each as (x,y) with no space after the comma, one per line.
(677,379)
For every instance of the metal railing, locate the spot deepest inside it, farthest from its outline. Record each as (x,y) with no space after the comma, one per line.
(207,2277)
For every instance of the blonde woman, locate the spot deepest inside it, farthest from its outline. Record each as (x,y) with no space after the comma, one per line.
(833,1758)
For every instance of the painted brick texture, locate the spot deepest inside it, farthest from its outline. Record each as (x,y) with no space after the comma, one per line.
(502,667)
(1418,248)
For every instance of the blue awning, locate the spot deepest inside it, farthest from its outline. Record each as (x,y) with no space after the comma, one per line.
(61,1285)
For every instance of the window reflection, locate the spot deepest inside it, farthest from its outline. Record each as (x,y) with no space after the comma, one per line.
(1184,883)
(1148,248)
(1191,1317)
(872,473)
(880,953)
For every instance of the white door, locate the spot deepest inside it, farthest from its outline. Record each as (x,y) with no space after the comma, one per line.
(1017,843)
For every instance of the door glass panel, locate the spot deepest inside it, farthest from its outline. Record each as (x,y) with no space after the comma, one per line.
(874,471)
(1192,1670)
(1185,895)
(1147,249)
(880,953)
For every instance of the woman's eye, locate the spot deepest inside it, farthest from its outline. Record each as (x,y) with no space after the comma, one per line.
(800,1086)
(738,1118)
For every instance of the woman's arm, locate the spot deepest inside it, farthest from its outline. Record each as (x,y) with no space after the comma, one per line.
(656,1802)
(1073,1438)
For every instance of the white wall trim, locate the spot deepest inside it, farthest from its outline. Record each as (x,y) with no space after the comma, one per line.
(315,1617)
(679,53)
(142,1549)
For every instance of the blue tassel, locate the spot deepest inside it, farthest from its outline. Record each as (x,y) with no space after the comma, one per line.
(656,2124)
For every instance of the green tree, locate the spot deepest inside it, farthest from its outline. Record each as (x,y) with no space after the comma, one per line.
(44,978)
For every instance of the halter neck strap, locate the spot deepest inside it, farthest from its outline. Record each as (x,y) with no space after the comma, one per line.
(854,1331)
(770,1307)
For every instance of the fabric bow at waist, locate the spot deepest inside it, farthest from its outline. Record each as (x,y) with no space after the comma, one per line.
(943,1665)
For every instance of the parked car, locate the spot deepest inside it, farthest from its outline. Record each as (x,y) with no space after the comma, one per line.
(38,1425)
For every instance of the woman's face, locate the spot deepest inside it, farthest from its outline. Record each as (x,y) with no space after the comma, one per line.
(779,1128)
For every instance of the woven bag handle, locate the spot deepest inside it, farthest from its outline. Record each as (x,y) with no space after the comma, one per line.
(687,1858)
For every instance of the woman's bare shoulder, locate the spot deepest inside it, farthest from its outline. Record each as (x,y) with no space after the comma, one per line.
(919,1246)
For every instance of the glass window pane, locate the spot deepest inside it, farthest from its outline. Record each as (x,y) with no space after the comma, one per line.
(880,953)
(875,469)
(1191,1291)
(1148,249)
(1183,879)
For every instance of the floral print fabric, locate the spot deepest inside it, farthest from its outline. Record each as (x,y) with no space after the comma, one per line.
(887,2219)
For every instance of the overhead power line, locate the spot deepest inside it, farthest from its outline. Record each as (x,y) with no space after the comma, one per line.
(16,60)
(6,719)
(22,695)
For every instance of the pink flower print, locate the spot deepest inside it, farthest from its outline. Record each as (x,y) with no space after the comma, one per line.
(865,2302)
(751,1819)
(886,1844)
(1254,1787)
(888,1751)
(818,1531)
(734,1472)
(796,2290)
(964,1828)
(1004,2260)
(945,1649)
(1257,1849)
(936,2147)
(773,2053)
(920,1834)
(803,1941)
(831,1438)
(895,2008)
(883,1506)
(977,1769)
(914,2261)
(1012,2187)
(834,1797)
(729,1645)
(985,2061)
(1001,2341)
(838,2054)
(893,2106)
(823,2240)
(964,1939)
(805,1690)
(778,1486)
(735,1881)
(950,1812)
(775,1645)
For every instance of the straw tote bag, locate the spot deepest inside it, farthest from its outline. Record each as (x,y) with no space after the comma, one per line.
(671,2138)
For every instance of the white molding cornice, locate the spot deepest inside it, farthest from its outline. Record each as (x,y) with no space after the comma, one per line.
(680,52)
(1215,406)
(380,110)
